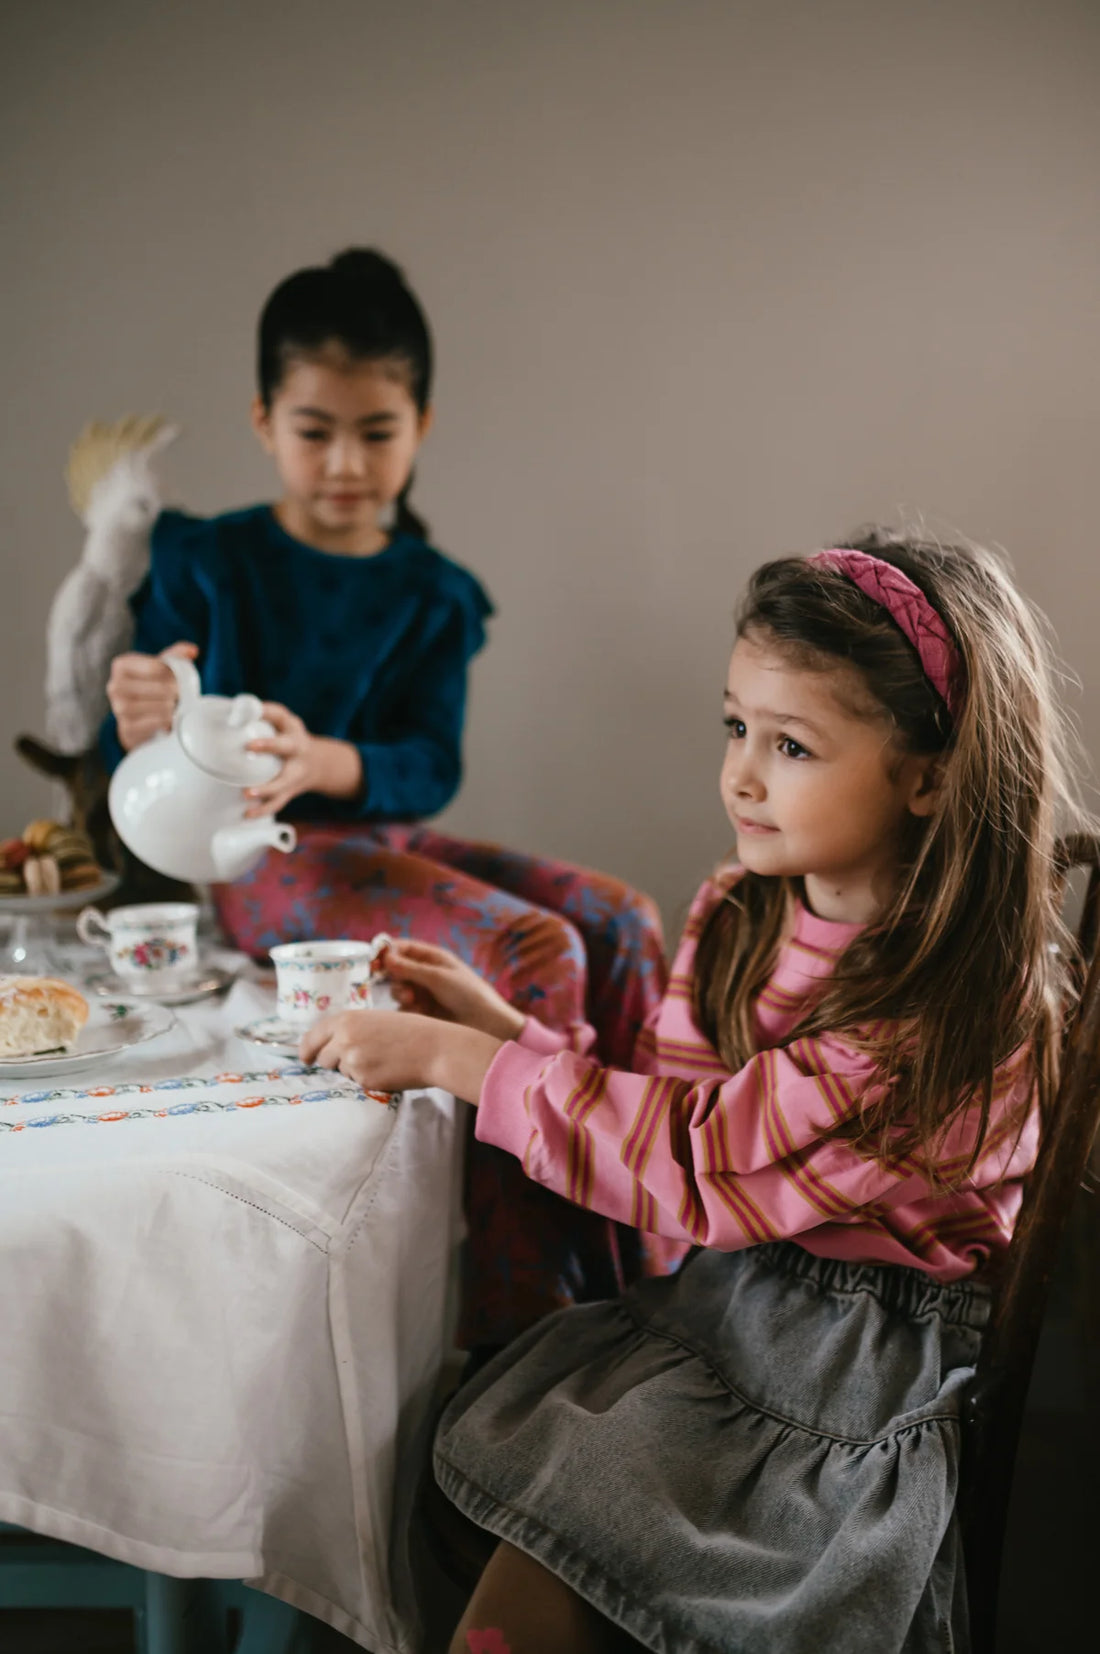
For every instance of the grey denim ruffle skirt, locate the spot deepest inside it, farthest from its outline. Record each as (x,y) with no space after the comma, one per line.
(758,1455)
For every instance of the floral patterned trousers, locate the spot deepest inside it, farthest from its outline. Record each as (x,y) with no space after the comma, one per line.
(560,942)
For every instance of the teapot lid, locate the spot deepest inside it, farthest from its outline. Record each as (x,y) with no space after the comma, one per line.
(215,731)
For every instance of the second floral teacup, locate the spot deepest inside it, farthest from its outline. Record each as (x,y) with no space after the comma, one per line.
(314,978)
(151,946)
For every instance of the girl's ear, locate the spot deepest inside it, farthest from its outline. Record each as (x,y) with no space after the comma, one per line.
(261,423)
(427,420)
(925,785)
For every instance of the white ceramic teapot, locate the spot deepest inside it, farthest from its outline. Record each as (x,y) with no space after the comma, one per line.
(177,800)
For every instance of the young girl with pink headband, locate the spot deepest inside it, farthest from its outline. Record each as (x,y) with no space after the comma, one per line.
(834,1108)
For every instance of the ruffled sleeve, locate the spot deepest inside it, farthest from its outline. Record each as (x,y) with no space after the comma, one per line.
(414,770)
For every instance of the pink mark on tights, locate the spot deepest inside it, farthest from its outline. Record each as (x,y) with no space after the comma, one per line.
(489,1641)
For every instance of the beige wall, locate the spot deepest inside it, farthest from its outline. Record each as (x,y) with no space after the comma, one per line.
(709,282)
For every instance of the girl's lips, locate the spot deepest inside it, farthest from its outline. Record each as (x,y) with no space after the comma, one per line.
(744,826)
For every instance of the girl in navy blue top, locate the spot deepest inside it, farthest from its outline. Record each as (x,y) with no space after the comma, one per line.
(370,652)
(357,635)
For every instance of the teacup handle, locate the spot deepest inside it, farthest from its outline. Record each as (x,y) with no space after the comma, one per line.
(92,928)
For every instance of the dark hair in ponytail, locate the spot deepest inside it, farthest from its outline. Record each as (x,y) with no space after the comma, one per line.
(360,302)
(407,521)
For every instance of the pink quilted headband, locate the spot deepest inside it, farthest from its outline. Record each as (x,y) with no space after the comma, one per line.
(911,611)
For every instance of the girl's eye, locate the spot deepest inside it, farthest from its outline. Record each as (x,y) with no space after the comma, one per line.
(790,748)
(313,436)
(735,728)
(380,436)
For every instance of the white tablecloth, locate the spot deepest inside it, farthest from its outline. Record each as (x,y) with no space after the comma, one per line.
(222,1314)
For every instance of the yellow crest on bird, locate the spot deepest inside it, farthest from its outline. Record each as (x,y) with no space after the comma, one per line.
(100,445)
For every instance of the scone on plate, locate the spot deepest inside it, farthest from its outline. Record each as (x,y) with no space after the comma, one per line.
(38,1013)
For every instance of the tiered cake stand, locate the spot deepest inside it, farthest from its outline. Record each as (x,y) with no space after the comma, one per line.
(27,948)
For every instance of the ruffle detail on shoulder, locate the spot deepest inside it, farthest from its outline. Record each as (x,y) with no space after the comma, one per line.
(177,533)
(458,586)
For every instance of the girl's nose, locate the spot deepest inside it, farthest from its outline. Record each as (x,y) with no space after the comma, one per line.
(344,457)
(745,780)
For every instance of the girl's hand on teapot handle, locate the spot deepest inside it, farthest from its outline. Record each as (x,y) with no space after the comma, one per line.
(142,694)
(311,764)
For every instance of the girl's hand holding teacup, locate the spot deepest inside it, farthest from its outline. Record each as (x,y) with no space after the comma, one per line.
(396,1051)
(451,1027)
(439,984)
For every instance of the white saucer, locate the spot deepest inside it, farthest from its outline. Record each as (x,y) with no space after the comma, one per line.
(110,1028)
(273,1033)
(213,980)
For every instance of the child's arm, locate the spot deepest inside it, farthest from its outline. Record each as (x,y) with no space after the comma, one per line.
(443,1001)
(435,981)
(411,760)
(311,764)
(722,1163)
(412,764)
(401,1051)
(143,693)
(411,773)
(171,611)
(726,1163)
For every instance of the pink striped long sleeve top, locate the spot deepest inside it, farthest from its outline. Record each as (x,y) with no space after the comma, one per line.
(682,1148)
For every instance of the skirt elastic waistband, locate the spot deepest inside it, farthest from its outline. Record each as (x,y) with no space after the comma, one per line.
(907,1292)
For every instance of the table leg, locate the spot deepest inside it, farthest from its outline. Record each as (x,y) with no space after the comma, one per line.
(269,1626)
(176,1618)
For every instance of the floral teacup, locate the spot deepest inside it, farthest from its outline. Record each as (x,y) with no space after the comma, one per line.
(313,978)
(151,947)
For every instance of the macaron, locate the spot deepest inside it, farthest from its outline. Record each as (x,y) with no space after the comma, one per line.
(37,833)
(66,851)
(13,853)
(59,837)
(42,875)
(80,875)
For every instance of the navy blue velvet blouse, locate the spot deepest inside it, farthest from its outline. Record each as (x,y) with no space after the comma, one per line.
(371,650)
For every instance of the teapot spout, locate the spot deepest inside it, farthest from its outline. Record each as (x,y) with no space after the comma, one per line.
(237,849)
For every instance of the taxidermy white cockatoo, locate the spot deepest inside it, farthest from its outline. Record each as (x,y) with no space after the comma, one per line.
(115,489)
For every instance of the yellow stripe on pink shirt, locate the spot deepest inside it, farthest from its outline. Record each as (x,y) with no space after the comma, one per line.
(685,1149)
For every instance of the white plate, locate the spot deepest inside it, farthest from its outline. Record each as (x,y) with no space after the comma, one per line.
(212,980)
(273,1033)
(112,1026)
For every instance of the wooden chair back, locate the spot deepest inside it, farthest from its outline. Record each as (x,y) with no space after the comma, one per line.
(994,1408)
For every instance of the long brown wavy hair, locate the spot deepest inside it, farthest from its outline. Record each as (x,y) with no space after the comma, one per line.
(968,963)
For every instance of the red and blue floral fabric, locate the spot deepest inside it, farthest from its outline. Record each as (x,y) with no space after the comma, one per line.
(561,942)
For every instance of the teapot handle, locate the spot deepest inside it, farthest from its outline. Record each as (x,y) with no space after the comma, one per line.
(188,682)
